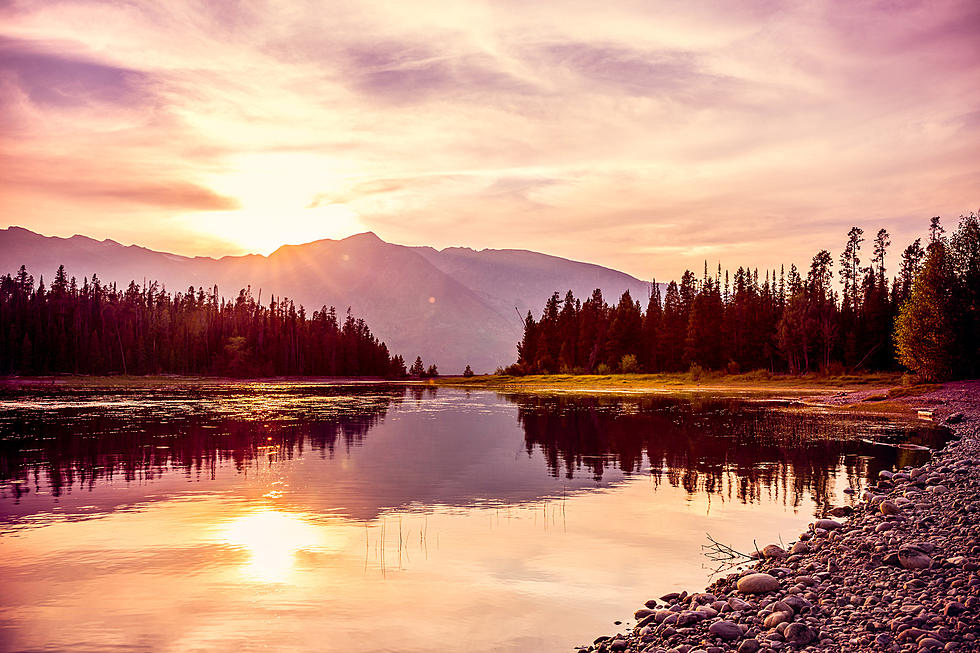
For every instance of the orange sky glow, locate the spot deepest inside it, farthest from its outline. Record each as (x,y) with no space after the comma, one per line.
(645,136)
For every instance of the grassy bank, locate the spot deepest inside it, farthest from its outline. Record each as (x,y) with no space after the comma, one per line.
(753,381)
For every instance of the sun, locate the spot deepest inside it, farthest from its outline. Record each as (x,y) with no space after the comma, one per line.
(284,198)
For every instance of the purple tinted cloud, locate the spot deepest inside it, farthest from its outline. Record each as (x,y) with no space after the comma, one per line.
(51,78)
(627,70)
(409,73)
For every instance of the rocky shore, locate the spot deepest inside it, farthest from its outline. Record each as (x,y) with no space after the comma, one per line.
(898,571)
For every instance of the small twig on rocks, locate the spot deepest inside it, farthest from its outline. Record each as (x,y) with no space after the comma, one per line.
(718,552)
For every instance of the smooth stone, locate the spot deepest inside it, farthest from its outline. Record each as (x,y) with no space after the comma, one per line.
(799,634)
(725,630)
(795,602)
(889,508)
(777,618)
(827,524)
(749,646)
(758,583)
(912,558)
(774,551)
(738,605)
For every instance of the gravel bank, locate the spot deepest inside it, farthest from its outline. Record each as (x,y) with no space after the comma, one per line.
(899,574)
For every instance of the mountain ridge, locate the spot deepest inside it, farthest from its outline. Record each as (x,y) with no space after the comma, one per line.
(454,306)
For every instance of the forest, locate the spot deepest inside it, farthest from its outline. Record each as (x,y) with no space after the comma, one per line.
(925,319)
(102,329)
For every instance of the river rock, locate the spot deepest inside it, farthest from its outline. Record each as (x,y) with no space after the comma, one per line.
(913,558)
(777,618)
(725,630)
(757,584)
(749,646)
(738,605)
(889,508)
(774,551)
(827,524)
(799,634)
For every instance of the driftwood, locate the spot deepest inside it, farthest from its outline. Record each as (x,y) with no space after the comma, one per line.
(724,556)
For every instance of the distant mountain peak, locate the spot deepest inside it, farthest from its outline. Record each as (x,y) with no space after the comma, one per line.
(365,236)
(453,306)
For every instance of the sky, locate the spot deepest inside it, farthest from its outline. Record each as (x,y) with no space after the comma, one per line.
(646,136)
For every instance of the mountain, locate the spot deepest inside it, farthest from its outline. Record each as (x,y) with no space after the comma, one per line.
(453,307)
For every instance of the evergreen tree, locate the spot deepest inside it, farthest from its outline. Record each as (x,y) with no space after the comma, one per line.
(923,332)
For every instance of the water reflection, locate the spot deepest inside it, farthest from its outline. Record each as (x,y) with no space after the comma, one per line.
(389,518)
(55,441)
(272,539)
(717,446)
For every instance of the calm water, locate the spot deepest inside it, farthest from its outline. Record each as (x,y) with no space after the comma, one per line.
(384,518)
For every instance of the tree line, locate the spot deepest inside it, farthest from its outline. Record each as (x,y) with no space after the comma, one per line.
(926,318)
(92,328)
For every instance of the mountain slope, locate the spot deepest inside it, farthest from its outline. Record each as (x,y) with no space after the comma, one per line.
(453,307)
(514,278)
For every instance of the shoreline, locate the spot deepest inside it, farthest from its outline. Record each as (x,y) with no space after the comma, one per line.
(899,574)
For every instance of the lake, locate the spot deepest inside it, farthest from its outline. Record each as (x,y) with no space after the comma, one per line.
(386,517)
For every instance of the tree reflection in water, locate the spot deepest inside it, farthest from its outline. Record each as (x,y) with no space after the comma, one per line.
(57,439)
(733,447)
(81,442)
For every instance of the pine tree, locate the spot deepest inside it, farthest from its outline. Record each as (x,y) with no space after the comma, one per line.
(924,337)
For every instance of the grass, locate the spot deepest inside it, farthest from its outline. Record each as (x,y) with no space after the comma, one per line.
(759,380)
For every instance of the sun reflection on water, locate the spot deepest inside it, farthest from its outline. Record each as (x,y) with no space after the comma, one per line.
(273,539)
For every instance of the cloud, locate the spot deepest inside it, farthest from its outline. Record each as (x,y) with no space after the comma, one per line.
(633,133)
(51,78)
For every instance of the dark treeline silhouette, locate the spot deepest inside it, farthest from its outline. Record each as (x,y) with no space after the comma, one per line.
(785,321)
(93,328)
(719,446)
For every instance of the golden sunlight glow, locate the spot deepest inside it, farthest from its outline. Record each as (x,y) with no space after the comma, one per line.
(272,539)
(285,199)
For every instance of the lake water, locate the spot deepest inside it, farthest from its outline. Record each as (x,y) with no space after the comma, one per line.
(297,517)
